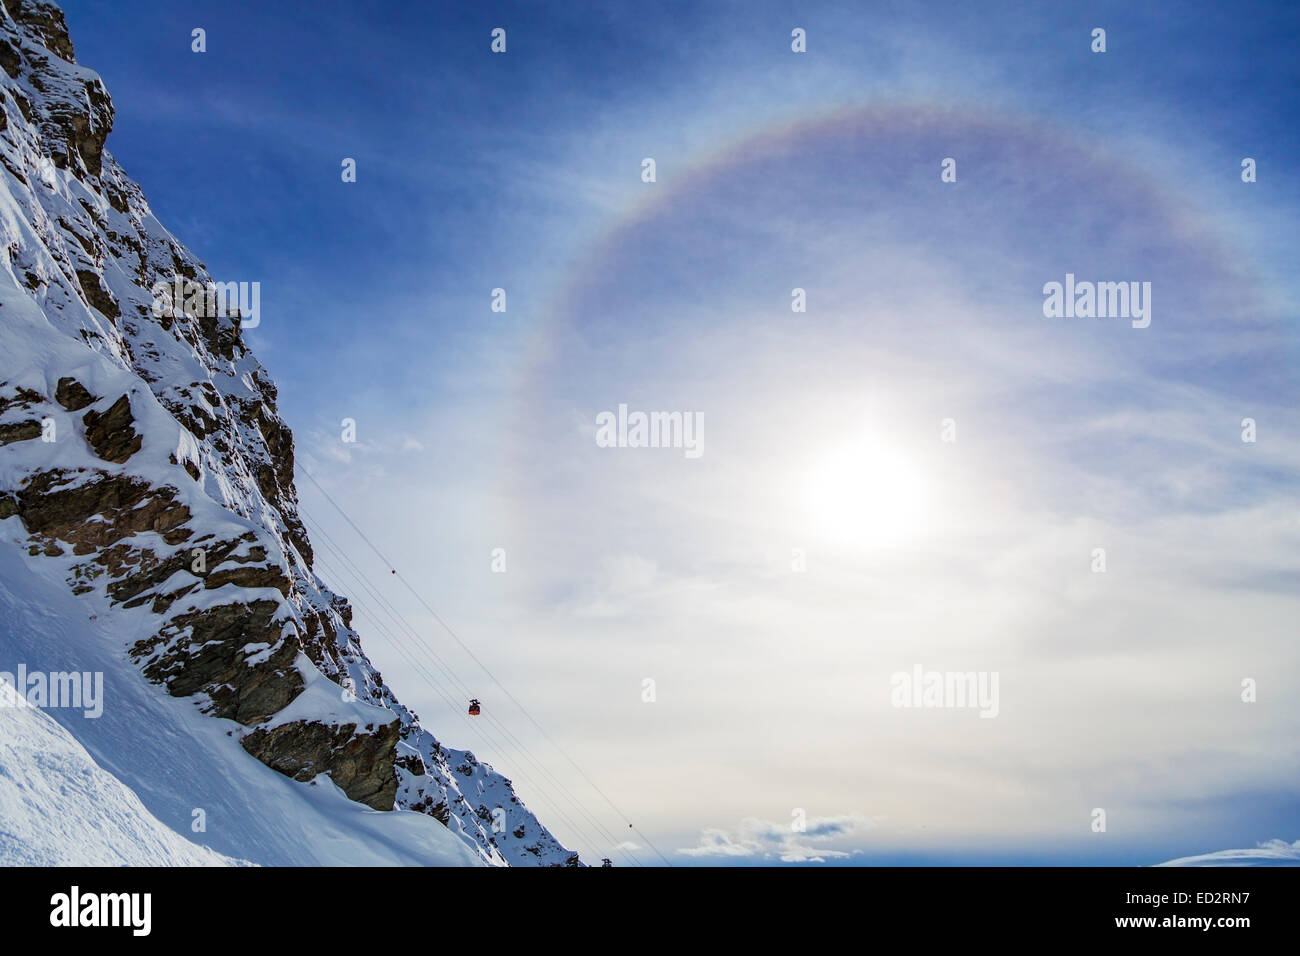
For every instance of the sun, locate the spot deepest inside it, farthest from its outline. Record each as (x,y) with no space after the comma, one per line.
(866,494)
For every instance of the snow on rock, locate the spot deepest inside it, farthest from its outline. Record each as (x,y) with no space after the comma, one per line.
(145,468)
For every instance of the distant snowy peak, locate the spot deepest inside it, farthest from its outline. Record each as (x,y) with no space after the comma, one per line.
(142,452)
(1270,853)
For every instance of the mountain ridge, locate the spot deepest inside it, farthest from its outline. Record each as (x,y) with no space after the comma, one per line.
(143,456)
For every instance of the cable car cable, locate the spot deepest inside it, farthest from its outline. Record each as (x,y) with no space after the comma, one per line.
(359,577)
(484,667)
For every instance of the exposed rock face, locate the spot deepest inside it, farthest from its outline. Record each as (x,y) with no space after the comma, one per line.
(45,21)
(72,395)
(19,431)
(74,117)
(23,399)
(111,434)
(98,511)
(143,455)
(240,656)
(359,763)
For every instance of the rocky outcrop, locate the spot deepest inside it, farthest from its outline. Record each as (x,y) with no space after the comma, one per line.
(19,431)
(92,511)
(21,400)
(45,21)
(240,656)
(75,119)
(111,433)
(361,764)
(72,395)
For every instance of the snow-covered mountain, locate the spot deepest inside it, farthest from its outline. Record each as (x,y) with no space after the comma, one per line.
(149,531)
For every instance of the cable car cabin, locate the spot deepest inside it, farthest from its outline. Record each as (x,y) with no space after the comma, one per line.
(473,708)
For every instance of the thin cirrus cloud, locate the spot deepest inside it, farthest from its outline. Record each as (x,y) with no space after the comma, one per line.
(1075,434)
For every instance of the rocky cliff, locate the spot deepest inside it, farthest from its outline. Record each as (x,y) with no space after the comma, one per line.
(142,454)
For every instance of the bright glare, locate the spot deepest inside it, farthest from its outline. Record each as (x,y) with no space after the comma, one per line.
(866,495)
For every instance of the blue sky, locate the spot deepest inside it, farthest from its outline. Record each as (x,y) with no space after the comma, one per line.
(778,170)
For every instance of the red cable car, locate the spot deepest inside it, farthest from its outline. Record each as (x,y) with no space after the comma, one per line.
(473,708)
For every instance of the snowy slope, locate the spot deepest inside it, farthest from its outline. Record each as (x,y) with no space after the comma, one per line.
(176,759)
(146,477)
(58,808)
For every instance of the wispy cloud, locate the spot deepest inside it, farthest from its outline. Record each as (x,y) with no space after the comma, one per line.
(763,839)
(1268,853)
